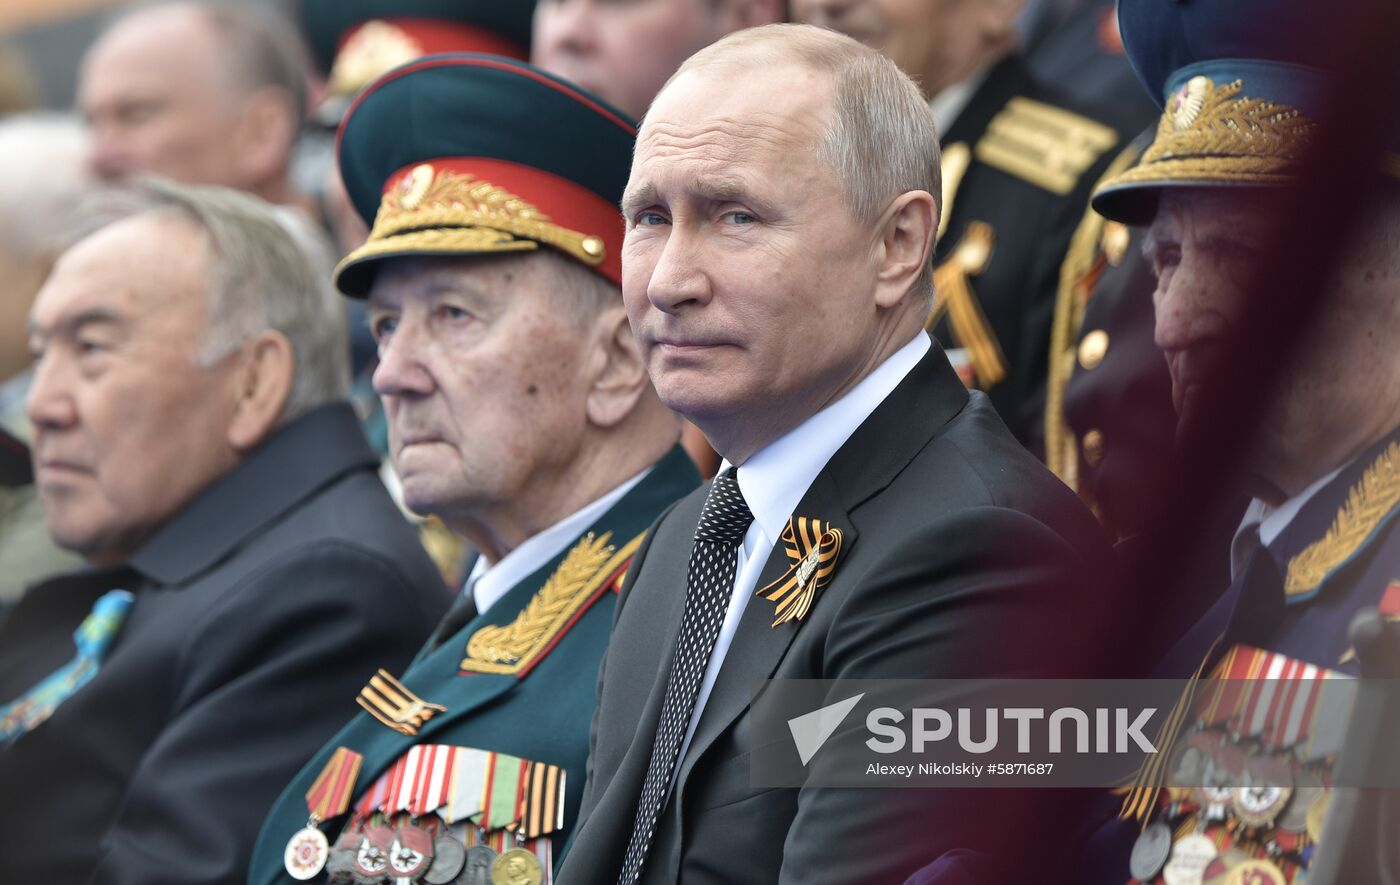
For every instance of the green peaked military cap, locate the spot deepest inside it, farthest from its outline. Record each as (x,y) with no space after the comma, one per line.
(469,154)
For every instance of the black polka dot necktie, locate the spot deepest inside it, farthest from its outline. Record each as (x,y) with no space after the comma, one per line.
(710,584)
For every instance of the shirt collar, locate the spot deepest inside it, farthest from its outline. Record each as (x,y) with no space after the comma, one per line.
(488,583)
(1270,521)
(774,480)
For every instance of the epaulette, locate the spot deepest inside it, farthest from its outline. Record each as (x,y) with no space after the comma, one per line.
(1047,146)
(592,568)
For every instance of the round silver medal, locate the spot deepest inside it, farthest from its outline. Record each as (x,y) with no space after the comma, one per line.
(1150,851)
(476,867)
(306,854)
(449,856)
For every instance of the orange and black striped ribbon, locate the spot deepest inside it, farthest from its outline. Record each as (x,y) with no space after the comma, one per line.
(543,809)
(812,548)
(389,700)
(329,796)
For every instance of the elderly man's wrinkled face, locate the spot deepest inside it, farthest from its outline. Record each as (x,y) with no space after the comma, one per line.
(481,376)
(128,426)
(158,100)
(747,279)
(936,42)
(1206,247)
(624,50)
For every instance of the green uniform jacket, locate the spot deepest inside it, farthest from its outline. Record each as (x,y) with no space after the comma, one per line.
(541,711)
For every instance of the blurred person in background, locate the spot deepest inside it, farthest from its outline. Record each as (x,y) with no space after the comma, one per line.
(1019,159)
(626,52)
(198,93)
(43,179)
(247,570)
(17,92)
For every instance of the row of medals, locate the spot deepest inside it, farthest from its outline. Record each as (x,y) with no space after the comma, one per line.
(437,854)
(1243,835)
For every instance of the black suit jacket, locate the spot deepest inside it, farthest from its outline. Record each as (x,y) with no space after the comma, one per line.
(260,609)
(963,557)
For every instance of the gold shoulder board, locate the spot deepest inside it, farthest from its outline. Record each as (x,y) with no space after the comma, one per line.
(1048,146)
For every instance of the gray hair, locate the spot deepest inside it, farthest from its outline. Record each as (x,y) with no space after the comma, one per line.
(270,269)
(44,178)
(881,139)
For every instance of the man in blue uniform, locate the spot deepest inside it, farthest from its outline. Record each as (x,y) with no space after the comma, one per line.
(1318,543)
(519,413)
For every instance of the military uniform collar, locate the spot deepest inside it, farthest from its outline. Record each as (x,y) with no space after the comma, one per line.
(489,583)
(949,103)
(1339,520)
(299,459)
(1270,521)
(1002,82)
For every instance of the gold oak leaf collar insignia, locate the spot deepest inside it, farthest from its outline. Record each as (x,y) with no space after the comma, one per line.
(1368,505)
(812,547)
(510,648)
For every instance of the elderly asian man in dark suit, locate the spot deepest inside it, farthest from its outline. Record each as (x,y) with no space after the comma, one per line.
(247,569)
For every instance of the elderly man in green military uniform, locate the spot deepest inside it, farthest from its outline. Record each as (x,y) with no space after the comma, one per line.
(521,414)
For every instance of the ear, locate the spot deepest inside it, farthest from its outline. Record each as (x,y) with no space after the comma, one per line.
(617,370)
(267,129)
(906,245)
(262,383)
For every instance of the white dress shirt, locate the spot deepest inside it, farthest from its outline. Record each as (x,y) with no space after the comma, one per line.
(774,480)
(1263,523)
(488,583)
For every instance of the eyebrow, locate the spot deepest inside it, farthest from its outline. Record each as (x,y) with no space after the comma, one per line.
(713,189)
(70,326)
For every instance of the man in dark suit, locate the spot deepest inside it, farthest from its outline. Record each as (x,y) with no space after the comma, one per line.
(777,279)
(248,569)
(521,414)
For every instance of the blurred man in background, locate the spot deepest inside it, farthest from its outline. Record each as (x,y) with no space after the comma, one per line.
(197,93)
(625,52)
(247,569)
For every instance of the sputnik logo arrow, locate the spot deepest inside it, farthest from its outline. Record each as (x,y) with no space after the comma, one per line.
(811,730)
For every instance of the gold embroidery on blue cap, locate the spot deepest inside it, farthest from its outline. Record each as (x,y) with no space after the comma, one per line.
(1214,133)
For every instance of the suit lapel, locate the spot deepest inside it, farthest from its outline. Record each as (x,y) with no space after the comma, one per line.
(758,646)
(926,399)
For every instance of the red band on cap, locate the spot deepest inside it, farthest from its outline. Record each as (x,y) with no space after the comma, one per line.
(567,203)
(434,35)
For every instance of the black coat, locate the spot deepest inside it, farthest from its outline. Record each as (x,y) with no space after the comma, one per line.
(260,609)
(1030,157)
(962,557)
